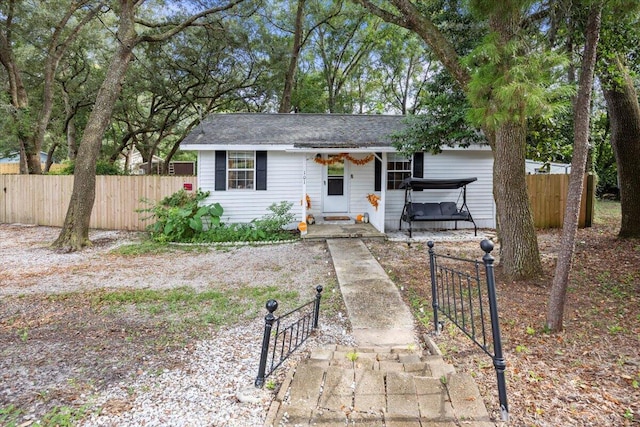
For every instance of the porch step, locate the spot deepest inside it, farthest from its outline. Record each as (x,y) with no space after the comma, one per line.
(377,387)
(337,231)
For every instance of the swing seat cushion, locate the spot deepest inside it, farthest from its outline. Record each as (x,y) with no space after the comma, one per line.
(443,211)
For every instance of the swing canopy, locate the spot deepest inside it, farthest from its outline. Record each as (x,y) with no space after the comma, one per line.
(420,184)
(438,211)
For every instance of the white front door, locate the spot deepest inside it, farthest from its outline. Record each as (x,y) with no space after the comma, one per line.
(336,197)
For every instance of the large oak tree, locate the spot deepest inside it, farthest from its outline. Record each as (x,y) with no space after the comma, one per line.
(64,22)
(75,231)
(495,81)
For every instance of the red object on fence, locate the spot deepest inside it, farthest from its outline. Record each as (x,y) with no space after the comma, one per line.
(187,186)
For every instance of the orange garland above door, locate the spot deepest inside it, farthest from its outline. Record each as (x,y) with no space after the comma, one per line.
(341,156)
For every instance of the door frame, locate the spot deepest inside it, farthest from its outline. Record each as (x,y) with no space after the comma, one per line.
(335,204)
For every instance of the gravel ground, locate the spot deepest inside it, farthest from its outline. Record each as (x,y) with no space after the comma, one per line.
(208,382)
(213,388)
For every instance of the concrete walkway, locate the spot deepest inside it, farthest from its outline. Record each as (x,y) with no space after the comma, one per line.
(386,380)
(378,315)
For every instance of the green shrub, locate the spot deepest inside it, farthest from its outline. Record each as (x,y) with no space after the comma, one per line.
(279,217)
(179,218)
(271,227)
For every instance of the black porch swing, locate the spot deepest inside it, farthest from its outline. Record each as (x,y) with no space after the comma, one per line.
(442,211)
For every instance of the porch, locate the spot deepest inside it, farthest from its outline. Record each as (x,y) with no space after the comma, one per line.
(342,229)
(350,229)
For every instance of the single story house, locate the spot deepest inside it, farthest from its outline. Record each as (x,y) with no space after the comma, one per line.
(14,157)
(132,162)
(329,165)
(10,163)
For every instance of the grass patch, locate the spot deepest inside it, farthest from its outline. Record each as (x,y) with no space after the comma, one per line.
(62,416)
(9,415)
(606,211)
(59,416)
(151,247)
(186,306)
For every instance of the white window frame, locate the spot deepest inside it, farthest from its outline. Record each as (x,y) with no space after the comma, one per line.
(237,156)
(393,159)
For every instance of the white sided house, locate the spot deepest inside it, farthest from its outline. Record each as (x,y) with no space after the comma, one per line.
(330,165)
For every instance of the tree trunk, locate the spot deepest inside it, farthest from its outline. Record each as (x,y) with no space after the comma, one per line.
(582,108)
(520,256)
(70,126)
(285,103)
(519,253)
(75,231)
(19,100)
(624,115)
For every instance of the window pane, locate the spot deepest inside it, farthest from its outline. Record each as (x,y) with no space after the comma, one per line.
(398,168)
(241,160)
(336,169)
(336,187)
(241,180)
(241,169)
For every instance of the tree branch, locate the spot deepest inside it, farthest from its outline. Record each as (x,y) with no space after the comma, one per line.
(175,30)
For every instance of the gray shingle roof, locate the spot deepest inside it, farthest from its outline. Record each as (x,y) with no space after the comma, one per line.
(298,130)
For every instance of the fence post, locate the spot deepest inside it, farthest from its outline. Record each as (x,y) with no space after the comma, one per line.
(498,359)
(271,306)
(434,287)
(316,312)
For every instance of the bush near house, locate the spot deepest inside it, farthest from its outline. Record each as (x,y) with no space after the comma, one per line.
(181,218)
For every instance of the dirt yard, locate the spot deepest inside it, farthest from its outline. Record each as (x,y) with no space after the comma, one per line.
(589,375)
(62,341)
(76,327)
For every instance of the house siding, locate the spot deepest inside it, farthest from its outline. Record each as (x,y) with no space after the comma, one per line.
(284,183)
(446,165)
(314,185)
(362,181)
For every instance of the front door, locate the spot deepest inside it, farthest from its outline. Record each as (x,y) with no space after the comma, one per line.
(336,198)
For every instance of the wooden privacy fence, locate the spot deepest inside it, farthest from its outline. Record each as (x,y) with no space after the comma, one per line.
(44,199)
(14,168)
(548,195)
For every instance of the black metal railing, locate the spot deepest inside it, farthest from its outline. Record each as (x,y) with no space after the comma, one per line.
(457,292)
(291,331)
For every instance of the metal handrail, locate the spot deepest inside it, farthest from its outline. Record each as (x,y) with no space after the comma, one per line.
(454,294)
(286,339)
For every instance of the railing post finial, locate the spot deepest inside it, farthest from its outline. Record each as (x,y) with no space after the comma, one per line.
(271,306)
(487,246)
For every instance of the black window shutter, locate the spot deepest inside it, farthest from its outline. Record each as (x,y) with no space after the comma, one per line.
(221,171)
(261,170)
(378,173)
(418,165)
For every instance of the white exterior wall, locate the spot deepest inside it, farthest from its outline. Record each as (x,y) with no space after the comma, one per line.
(533,167)
(451,164)
(314,184)
(362,181)
(284,183)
